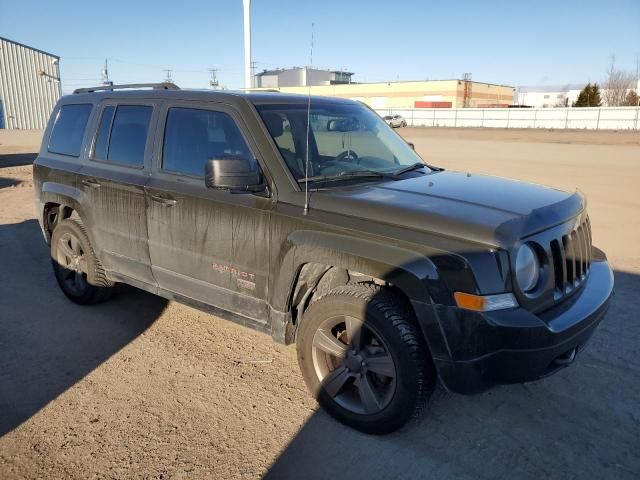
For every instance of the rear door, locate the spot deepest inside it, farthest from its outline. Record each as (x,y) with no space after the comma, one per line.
(113,180)
(208,245)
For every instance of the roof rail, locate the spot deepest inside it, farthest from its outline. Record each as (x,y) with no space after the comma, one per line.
(259,89)
(155,86)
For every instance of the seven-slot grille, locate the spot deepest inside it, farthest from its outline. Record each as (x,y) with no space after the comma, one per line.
(571,258)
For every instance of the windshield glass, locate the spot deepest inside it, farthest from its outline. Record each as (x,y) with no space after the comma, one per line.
(343,139)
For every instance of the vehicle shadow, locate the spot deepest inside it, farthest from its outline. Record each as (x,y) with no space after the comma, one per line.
(9,182)
(17,159)
(582,422)
(48,343)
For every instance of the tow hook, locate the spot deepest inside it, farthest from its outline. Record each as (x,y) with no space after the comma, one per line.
(566,358)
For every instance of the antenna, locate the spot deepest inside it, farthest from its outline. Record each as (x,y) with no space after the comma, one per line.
(168,77)
(306,162)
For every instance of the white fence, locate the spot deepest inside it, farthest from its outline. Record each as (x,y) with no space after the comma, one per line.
(603,118)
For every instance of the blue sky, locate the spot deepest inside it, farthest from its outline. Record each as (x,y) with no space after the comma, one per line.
(508,42)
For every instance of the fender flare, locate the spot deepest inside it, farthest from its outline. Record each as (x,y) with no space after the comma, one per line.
(406,269)
(67,196)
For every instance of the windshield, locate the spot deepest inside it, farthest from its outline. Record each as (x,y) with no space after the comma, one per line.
(344,140)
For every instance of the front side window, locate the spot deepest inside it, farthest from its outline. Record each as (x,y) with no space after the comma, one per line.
(193,136)
(68,129)
(344,139)
(122,134)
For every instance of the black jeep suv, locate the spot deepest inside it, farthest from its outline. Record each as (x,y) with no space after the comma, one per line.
(312,220)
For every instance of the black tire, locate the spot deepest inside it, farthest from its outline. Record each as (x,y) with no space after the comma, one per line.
(392,329)
(75,265)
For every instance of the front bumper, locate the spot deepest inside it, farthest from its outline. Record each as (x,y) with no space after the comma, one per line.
(473,351)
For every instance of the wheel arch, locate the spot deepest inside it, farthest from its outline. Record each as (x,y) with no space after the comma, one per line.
(315,262)
(58,202)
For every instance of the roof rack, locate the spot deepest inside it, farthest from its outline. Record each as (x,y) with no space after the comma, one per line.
(155,86)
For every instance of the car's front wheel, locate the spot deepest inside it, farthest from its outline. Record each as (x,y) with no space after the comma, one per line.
(363,358)
(75,265)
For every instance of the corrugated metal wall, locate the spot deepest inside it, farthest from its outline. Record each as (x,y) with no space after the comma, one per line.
(29,85)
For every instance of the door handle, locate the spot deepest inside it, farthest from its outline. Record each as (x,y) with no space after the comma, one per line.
(91,182)
(164,201)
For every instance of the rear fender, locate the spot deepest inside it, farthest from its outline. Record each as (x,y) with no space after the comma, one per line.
(65,196)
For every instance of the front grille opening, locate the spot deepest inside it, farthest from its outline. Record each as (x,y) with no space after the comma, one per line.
(558,267)
(576,240)
(569,258)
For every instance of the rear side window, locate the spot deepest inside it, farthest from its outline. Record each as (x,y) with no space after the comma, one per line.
(122,134)
(102,141)
(68,130)
(193,136)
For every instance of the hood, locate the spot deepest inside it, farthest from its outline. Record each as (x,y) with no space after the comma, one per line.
(480,208)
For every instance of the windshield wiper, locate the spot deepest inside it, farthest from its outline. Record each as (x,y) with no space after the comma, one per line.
(348,174)
(410,168)
(416,166)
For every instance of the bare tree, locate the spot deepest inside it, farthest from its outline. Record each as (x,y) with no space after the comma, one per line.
(617,85)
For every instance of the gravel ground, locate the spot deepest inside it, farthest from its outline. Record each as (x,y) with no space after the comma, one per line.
(142,388)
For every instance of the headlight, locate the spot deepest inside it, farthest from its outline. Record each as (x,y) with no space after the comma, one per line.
(527,268)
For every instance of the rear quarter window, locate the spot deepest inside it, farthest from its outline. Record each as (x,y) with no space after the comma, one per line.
(68,129)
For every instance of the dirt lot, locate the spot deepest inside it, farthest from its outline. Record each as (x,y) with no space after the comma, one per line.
(139,387)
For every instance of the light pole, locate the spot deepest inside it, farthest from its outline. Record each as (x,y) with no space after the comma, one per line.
(247,44)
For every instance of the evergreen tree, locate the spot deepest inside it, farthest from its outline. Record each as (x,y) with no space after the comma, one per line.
(589,96)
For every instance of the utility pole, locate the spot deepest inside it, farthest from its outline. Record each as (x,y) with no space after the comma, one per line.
(168,78)
(253,73)
(213,80)
(105,73)
(248,77)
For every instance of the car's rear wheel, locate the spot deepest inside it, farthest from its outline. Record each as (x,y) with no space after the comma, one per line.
(363,358)
(75,265)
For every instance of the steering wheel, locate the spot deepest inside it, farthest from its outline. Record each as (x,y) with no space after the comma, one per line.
(347,155)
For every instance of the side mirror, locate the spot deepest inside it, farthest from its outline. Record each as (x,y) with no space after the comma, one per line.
(232,173)
(412,145)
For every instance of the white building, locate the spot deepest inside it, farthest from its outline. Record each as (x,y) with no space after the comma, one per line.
(548,96)
(300,77)
(553,96)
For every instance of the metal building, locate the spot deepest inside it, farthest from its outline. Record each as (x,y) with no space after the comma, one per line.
(416,94)
(298,77)
(29,85)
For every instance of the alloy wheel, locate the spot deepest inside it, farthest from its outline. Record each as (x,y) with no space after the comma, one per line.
(72,258)
(354,365)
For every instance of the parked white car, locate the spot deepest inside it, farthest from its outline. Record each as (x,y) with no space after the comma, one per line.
(395,121)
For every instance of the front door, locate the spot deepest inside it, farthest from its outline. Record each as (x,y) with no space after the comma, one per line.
(207,245)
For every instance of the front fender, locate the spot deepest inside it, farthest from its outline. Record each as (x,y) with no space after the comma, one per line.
(408,270)
(412,272)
